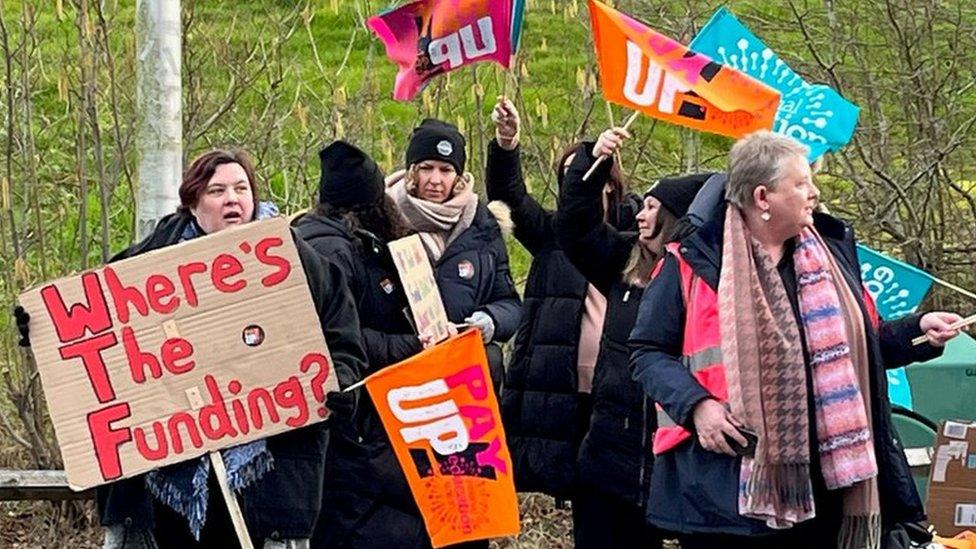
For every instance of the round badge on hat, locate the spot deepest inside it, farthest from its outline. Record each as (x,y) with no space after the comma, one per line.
(445,148)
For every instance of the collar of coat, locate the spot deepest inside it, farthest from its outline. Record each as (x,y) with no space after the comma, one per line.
(702,249)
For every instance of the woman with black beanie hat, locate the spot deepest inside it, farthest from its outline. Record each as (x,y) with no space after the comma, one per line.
(615,457)
(462,237)
(351,227)
(366,499)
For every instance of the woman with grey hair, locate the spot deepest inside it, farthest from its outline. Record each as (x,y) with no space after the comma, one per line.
(767,361)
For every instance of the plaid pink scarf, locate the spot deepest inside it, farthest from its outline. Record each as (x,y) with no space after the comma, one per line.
(766,375)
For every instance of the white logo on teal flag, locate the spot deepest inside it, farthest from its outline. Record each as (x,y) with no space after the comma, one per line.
(813,114)
(897,288)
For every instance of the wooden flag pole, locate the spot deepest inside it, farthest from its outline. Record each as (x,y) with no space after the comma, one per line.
(354,386)
(232,506)
(603,157)
(968,321)
(953,287)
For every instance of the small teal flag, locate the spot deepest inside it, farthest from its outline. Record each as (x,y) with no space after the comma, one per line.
(813,114)
(518,12)
(898,288)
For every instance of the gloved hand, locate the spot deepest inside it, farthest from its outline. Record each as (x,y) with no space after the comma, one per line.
(342,405)
(484,323)
(23,325)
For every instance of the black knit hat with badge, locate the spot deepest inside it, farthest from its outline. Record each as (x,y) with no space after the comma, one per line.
(677,193)
(437,140)
(349,176)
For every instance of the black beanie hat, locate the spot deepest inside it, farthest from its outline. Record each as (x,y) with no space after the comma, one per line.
(349,176)
(437,140)
(677,193)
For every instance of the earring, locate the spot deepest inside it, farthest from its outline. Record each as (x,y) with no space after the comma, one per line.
(765,215)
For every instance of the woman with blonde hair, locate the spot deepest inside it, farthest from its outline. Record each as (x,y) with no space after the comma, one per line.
(462,237)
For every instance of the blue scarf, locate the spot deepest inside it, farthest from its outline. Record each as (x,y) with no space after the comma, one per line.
(183,486)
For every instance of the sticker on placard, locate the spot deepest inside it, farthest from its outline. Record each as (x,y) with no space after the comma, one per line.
(955,429)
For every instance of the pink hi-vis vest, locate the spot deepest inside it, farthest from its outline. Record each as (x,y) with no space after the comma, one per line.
(701,351)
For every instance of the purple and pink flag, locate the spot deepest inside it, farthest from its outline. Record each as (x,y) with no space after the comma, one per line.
(427,38)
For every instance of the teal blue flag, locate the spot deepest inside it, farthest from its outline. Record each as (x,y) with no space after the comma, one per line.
(898,288)
(518,11)
(813,114)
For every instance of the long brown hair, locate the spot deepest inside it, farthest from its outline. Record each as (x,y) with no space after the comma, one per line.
(618,183)
(643,257)
(202,169)
(382,218)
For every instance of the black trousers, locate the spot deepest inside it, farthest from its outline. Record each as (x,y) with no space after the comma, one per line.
(604,521)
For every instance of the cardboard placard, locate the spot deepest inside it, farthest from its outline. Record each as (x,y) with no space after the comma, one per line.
(441,414)
(178,352)
(951,502)
(419,284)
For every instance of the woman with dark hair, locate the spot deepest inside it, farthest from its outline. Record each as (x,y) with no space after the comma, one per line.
(278,479)
(767,359)
(367,501)
(546,401)
(614,460)
(351,226)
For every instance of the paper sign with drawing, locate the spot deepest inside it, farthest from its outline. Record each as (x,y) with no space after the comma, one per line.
(419,284)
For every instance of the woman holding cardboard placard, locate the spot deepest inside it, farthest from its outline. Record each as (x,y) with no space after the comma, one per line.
(278,480)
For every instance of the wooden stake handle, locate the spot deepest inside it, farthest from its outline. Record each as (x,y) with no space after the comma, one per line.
(968,321)
(602,157)
(232,506)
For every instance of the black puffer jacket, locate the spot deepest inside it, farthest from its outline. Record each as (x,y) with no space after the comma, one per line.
(364,484)
(489,287)
(374,283)
(615,454)
(541,395)
(285,502)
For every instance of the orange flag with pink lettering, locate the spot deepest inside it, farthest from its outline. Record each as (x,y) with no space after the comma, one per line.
(646,71)
(441,414)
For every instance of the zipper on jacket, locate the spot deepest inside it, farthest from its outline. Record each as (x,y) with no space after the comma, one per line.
(642,493)
(626,296)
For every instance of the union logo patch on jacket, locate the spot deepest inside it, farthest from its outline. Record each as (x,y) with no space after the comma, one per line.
(466,270)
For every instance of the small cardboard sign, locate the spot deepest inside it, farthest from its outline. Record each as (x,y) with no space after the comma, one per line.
(419,284)
(951,503)
(184,350)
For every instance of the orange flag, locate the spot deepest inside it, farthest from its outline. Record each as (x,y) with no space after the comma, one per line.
(441,414)
(646,71)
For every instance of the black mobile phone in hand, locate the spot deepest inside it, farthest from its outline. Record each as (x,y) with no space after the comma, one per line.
(749,450)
